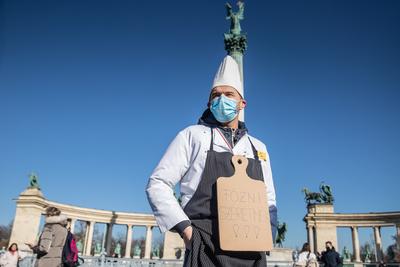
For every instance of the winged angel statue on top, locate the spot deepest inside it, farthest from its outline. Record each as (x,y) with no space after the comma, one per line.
(235,17)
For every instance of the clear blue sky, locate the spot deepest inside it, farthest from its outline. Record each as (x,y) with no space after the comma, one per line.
(92,92)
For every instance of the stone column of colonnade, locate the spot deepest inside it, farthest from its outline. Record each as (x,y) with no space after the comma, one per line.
(109,238)
(88,238)
(398,235)
(128,241)
(310,236)
(378,243)
(72,225)
(356,244)
(147,249)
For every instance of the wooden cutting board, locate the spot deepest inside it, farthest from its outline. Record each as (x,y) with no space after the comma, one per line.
(243,214)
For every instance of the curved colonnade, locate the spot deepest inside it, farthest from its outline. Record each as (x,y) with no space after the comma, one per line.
(31,205)
(322,224)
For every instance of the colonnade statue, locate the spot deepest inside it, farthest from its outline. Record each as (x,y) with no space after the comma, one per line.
(79,246)
(282,229)
(346,254)
(97,249)
(117,250)
(156,251)
(323,196)
(137,250)
(34,181)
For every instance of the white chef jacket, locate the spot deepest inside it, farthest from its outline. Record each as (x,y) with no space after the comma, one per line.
(184,162)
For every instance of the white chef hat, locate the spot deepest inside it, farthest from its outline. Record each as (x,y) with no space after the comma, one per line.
(228,74)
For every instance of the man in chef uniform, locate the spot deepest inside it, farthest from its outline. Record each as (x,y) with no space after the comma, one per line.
(196,158)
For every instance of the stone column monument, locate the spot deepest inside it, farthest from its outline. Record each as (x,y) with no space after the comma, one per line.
(236,41)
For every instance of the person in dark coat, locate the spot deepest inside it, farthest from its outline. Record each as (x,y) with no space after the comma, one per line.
(330,257)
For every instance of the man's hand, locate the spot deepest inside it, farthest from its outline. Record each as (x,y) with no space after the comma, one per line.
(29,245)
(187,236)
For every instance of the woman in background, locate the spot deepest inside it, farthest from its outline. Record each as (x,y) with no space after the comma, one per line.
(11,257)
(306,257)
(51,242)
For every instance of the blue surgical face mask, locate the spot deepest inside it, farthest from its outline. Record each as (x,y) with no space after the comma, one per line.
(224,108)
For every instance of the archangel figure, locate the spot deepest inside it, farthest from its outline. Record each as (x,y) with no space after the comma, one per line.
(235,40)
(235,17)
(34,181)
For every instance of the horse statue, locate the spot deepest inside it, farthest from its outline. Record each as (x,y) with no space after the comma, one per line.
(282,229)
(311,196)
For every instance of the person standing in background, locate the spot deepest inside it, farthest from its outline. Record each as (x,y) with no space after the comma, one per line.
(306,257)
(11,257)
(330,258)
(51,242)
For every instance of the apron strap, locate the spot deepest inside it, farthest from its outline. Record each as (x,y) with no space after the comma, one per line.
(212,139)
(255,152)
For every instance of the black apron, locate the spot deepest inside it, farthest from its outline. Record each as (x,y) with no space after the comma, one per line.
(202,211)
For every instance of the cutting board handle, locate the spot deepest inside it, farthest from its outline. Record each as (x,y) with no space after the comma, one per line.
(240,163)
